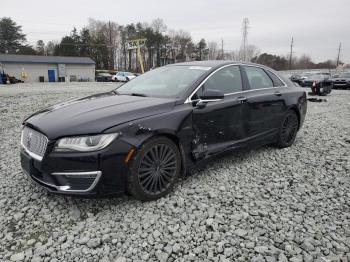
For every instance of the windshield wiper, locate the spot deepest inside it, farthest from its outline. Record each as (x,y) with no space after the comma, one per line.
(138,94)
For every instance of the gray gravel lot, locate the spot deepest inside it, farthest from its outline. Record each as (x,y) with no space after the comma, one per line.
(262,205)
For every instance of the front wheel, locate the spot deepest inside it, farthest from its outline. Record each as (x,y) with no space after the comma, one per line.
(288,130)
(155,169)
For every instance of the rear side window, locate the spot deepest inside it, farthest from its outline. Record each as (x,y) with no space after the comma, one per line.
(258,78)
(275,79)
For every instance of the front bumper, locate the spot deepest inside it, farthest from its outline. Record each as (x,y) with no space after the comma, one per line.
(341,85)
(94,173)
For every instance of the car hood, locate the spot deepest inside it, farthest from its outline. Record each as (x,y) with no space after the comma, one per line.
(311,79)
(94,114)
(341,79)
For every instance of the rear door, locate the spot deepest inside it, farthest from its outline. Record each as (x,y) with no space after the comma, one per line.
(265,102)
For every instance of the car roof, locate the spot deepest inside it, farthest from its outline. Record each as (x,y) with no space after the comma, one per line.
(215,63)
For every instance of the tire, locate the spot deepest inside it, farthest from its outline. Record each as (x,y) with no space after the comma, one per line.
(288,130)
(328,91)
(127,79)
(155,169)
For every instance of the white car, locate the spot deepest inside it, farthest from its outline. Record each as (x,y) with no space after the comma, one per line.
(123,77)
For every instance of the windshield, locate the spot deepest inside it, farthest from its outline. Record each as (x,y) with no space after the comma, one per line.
(345,75)
(317,76)
(169,81)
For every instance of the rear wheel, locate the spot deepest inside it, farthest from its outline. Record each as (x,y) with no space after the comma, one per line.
(155,169)
(288,130)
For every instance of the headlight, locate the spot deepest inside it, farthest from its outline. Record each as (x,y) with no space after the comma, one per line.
(84,143)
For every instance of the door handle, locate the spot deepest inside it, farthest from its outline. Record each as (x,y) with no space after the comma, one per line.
(242,99)
(278,93)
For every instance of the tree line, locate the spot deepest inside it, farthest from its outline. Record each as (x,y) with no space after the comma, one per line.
(106,44)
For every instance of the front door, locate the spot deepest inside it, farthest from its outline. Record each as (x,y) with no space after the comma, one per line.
(51,74)
(218,125)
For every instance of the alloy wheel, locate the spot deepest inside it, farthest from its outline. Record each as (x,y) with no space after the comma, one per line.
(289,129)
(157,169)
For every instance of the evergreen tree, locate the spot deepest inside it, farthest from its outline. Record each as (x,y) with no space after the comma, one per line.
(11,36)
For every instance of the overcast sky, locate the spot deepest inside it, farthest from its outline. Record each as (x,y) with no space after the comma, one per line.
(317,26)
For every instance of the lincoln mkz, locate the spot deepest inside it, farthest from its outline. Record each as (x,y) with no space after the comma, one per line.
(141,137)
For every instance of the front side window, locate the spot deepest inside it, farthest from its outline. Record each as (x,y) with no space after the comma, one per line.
(227,80)
(257,78)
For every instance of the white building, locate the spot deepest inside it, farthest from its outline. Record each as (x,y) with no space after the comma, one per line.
(33,68)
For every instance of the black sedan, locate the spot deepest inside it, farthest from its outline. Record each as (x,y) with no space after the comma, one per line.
(104,77)
(296,79)
(141,137)
(342,81)
(320,84)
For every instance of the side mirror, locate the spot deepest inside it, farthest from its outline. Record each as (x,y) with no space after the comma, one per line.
(212,95)
(209,96)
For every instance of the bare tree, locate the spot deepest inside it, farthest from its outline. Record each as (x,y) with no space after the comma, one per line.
(40,47)
(213,50)
(158,25)
(50,48)
(248,53)
(108,34)
(176,43)
(304,62)
(252,51)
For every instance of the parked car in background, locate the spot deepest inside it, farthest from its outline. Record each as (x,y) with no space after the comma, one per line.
(305,75)
(296,79)
(324,74)
(103,77)
(123,76)
(114,75)
(320,84)
(141,137)
(342,81)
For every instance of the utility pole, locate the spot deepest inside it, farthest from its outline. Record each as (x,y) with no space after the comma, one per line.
(245,27)
(111,47)
(338,58)
(222,48)
(291,53)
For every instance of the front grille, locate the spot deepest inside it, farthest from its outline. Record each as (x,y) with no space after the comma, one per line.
(34,142)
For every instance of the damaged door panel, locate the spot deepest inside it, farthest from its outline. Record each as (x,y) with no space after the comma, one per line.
(217,126)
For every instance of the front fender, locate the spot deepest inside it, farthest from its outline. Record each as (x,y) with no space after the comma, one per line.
(176,123)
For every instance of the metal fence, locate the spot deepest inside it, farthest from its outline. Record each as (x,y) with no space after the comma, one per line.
(302,71)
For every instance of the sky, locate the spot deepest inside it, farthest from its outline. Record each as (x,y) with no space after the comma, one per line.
(316,26)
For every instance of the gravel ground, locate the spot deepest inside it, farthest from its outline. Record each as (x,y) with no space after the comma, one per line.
(262,205)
